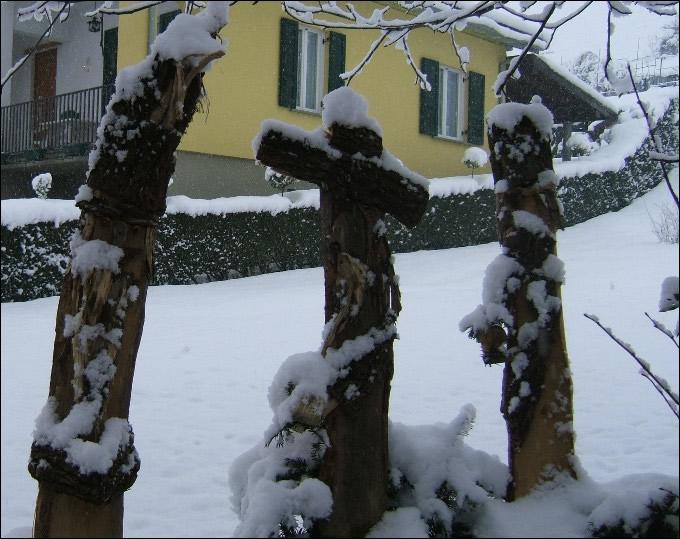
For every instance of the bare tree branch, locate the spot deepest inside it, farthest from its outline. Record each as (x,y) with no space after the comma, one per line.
(525,51)
(659,383)
(663,329)
(65,9)
(349,75)
(673,408)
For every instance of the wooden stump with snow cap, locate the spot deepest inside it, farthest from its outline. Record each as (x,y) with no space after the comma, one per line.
(83,453)
(359,182)
(522,298)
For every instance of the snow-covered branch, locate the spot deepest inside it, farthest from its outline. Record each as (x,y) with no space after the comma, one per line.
(508,74)
(664,157)
(663,329)
(37,11)
(659,384)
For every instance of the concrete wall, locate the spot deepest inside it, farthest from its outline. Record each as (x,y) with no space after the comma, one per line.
(213,176)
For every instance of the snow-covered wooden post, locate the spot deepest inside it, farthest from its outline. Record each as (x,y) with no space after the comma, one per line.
(83,453)
(360,182)
(522,297)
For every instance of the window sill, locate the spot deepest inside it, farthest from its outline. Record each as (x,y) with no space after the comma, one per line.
(307,111)
(450,139)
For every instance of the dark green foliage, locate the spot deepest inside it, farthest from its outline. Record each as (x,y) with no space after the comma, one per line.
(462,524)
(34,259)
(661,520)
(220,247)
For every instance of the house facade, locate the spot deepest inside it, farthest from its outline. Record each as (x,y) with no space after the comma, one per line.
(278,68)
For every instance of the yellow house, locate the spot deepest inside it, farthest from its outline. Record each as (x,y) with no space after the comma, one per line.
(428,131)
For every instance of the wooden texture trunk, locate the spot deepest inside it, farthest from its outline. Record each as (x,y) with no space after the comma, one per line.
(359,278)
(128,200)
(537,394)
(362,302)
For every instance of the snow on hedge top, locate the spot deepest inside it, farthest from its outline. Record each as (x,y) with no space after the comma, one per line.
(346,107)
(20,212)
(507,115)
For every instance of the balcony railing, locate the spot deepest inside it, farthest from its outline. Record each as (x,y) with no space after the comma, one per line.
(53,127)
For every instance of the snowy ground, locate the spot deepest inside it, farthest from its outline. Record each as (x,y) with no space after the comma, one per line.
(209,353)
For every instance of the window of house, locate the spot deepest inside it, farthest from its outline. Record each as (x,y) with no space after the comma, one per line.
(442,108)
(450,103)
(309,69)
(302,65)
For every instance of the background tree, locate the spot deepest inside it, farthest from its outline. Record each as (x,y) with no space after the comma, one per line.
(42,184)
(475,158)
(280,182)
(667,41)
(588,67)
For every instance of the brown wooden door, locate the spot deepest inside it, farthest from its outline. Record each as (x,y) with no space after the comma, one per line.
(44,86)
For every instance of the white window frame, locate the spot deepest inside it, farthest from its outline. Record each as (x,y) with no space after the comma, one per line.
(303,74)
(443,105)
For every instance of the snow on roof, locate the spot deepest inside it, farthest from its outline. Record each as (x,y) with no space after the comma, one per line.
(573,79)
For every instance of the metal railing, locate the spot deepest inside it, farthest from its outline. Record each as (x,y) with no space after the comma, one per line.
(61,125)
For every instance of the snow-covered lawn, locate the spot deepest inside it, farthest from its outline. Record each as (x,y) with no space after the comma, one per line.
(209,353)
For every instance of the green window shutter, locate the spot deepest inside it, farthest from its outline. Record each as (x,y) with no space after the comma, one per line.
(476,109)
(336,61)
(110,56)
(288,46)
(165,19)
(429,100)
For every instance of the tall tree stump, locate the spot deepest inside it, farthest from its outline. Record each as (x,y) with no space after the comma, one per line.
(362,302)
(537,386)
(83,452)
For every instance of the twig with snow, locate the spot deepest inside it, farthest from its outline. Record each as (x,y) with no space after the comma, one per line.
(659,384)
(663,329)
(63,14)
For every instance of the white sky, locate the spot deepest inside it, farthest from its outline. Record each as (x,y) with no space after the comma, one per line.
(588,31)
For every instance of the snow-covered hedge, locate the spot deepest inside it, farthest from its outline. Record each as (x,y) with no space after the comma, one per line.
(204,240)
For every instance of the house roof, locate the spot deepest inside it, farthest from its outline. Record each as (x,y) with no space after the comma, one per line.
(569,98)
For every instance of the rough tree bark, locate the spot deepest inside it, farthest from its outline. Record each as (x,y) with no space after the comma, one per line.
(101,309)
(537,387)
(362,300)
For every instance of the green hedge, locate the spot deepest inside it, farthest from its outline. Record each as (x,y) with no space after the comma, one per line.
(595,194)
(218,247)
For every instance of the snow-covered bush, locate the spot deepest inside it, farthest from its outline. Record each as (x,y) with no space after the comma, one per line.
(475,158)
(581,144)
(665,225)
(42,184)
